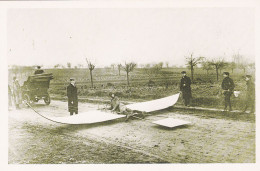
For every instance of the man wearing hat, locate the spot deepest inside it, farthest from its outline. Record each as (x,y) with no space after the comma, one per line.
(185,88)
(227,87)
(250,94)
(38,71)
(72,97)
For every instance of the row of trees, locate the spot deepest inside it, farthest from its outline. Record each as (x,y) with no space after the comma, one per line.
(217,64)
(69,65)
(113,66)
(128,67)
(192,63)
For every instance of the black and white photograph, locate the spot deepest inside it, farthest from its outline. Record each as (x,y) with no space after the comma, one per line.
(131,85)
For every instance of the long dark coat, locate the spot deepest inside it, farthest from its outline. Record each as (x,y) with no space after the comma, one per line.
(72,98)
(228,84)
(185,87)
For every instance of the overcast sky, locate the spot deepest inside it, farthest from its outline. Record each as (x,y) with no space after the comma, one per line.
(57,36)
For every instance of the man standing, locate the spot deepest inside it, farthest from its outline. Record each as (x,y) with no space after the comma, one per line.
(250,94)
(72,97)
(227,87)
(16,92)
(185,88)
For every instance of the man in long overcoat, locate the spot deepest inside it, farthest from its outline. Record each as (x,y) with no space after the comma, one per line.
(185,88)
(228,87)
(72,97)
(250,94)
(16,93)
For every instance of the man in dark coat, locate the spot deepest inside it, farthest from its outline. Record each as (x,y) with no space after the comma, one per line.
(72,97)
(250,94)
(227,87)
(185,88)
(17,93)
(39,70)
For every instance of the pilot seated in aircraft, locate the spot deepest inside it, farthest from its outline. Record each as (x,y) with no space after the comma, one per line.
(116,105)
(119,108)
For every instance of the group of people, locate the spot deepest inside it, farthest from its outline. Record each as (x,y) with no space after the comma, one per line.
(115,105)
(227,90)
(185,89)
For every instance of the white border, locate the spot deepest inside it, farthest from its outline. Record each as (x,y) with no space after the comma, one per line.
(4,6)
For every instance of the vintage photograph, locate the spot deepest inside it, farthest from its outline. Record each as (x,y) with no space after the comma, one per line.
(131,85)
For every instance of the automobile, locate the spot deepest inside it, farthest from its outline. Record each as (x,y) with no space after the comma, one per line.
(36,88)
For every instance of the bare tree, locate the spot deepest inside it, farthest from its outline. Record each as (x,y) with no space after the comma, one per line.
(129,67)
(152,70)
(160,65)
(119,66)
(240,61)
(113,66)
(193,62)
(148,70)
(141,65)
(157,67)
(207,66)
(232,66)
(243,66)
(91,67)
(218,65)
(147,65)
(68,64)
(57,66)
(80,66)
(167,64)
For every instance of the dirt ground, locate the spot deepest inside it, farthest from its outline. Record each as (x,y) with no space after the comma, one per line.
(210,138)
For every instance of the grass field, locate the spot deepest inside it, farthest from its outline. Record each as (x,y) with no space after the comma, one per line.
(144,85)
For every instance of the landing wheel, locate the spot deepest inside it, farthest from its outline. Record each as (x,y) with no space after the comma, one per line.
(47,100)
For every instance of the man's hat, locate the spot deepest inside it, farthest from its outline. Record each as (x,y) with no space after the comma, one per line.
(226,73)
(183,72)
(72,79)
(38,67)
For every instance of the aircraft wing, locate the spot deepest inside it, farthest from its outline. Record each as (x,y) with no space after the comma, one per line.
(154,105)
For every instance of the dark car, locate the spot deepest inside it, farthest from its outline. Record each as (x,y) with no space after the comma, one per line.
(36,88)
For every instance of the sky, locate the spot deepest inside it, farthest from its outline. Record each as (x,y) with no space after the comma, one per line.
(142,35)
